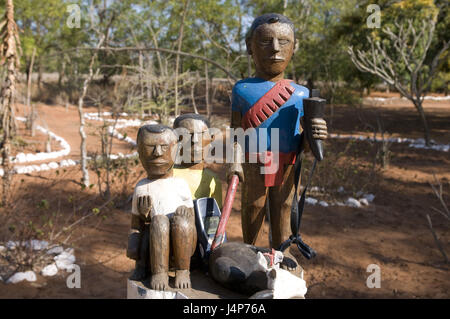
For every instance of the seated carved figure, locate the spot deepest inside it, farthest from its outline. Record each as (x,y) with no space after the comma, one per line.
(163,221)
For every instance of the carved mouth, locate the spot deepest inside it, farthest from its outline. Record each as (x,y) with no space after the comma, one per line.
(157,163)
(276,59)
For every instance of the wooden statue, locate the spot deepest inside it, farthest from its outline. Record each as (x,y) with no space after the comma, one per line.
(202,181)
(269,101)
(163,221)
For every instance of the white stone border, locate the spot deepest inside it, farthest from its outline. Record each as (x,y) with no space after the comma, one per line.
(413,143)
(42,156)
(428,97)
(64,259)
(121,123)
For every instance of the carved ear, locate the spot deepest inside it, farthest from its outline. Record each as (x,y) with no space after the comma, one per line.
(249,46)
(296,46)
(273,274)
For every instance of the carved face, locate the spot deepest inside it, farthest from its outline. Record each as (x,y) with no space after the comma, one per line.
(200,137)
(157,152)
(271,47)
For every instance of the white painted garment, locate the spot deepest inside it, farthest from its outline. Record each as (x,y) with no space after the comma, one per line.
(167,194)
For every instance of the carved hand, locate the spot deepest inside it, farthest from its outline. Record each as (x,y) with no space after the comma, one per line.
(144,205)
(235,168)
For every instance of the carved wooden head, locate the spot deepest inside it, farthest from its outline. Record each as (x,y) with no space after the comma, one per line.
(198,129)
(271,44)
(157,148)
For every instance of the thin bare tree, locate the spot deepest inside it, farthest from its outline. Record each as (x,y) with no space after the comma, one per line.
(9,46)
(87,81)
(177,60)
(31,114)
(445,212)
(401,59)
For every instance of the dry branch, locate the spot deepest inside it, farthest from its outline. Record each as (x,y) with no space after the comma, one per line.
(195,56)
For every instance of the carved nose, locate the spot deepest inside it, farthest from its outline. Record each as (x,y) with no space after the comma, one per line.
(276,45)
(158,150)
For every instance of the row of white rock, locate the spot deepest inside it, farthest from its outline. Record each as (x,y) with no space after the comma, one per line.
(30,157)
(64,259)
(428,97)
(42,156)
(414,143)
(27,169)
(350,202)
(364,199)
(119,123)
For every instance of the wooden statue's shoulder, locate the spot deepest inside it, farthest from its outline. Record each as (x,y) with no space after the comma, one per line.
(251,85)
(300,90)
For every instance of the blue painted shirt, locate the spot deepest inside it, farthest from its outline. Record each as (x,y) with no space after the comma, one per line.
(287,118)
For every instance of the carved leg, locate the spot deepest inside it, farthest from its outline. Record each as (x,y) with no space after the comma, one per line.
(253,203)
(280,201)
(142,269)
(159,252)
(184,239)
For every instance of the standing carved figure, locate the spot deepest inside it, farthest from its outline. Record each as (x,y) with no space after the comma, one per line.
(268,101)
(163,221)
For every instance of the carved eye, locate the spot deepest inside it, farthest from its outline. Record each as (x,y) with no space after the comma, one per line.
(150,148)
(164,148)
(283,41)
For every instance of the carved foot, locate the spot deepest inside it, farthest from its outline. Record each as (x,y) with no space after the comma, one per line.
(182,279)
(159,281)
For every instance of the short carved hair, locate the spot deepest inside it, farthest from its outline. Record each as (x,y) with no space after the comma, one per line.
(269,18)
(152,128)
(193,116)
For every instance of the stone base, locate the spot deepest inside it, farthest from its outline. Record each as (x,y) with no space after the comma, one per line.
(203,287)
(137,290)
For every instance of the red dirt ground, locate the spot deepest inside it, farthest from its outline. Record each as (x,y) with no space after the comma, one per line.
(391,233)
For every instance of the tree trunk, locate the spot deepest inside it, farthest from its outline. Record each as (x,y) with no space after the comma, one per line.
(9,52)
(141,85)
(426,130)
(39,79)
(177,61)
(208,106)
(62,71)
(84,169)
(193,94)
(31,109)
(33,119)
(30,75)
